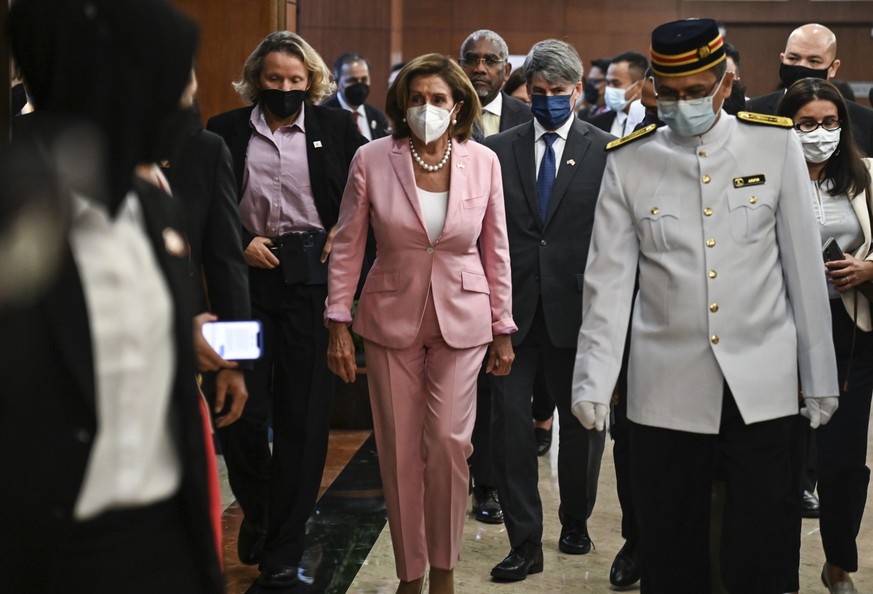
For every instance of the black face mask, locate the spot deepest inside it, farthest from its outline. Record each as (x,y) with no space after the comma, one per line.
(356,94)
(283,104)
(791,74)
(19,98)
(591,93)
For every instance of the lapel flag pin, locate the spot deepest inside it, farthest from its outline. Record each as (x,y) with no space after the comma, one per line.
(316,143)
(460,165)
(571,162)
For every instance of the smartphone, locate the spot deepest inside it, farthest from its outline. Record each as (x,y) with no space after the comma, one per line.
(831,251)
(235,341)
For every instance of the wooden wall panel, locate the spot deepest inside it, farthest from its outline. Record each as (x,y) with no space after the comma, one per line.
(387,31)
(229,31)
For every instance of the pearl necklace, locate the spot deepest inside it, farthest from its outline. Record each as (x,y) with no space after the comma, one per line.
(426,166)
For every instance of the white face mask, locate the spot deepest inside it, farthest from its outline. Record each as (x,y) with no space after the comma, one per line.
(820,144)
(690,117)
(615,98)
(428,122)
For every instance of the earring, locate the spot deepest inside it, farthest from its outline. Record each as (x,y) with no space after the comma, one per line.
(454,122)
(404,119)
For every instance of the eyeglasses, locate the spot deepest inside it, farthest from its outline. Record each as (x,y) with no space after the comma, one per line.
(829,124)
(472,60)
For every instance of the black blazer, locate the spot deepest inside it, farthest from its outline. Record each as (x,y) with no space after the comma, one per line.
(548,259)
(202,178)
(514,113)
(331,141)
(376,119)
(862,117)
(603,120)
(48,418)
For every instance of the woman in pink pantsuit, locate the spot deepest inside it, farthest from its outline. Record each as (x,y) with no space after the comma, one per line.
(437,295)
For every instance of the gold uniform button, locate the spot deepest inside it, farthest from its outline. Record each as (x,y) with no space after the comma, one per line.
(707,211)
(655,210)
(714,339)
(703,154)
(713,308)
(710,243)
(753,200)
(713,274)
(706,179)
(430,250)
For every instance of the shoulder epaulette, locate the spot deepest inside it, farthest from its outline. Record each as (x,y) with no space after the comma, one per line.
(636,135)
(765,120)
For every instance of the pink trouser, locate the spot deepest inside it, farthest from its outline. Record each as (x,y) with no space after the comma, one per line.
(424,406)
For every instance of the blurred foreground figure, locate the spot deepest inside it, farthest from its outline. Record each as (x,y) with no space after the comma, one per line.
(101,440)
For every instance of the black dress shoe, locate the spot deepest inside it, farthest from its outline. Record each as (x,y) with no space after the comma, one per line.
(625,570)
(250,542)
(521,562)
(486,506)
(544,440)
(574,540)
(809,505)
(280,576)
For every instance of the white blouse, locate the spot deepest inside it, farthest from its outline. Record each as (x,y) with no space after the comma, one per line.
(433,207)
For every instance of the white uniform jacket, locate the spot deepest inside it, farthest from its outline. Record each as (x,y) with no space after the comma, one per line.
(731,284)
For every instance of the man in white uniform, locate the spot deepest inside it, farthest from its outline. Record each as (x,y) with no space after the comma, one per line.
(732,309)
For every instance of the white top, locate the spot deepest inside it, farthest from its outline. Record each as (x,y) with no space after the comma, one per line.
(730,279)
(837,219)
(130,314)
(433,208)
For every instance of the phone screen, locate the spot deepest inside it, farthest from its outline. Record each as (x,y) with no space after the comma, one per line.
(234,340)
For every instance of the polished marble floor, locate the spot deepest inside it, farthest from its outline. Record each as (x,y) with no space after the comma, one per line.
(349,547)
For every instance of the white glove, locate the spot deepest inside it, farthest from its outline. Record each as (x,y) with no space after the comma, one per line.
(592,415)
(819,410)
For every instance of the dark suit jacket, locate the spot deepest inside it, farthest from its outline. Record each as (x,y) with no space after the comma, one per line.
(376,119)
(603,120)
(331,141)
(862,117)
(548,259)
(48,418)
(515,112)
(202,179)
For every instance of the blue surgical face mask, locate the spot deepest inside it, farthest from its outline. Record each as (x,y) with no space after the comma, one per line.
(689,117)
(551,110)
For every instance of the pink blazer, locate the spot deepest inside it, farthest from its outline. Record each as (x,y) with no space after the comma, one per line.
(472,289)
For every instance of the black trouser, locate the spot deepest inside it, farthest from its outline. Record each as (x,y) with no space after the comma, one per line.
(543,404)
(513,446)
(136,551)
(673,480)
(291,386)
(842,445)
(481,469)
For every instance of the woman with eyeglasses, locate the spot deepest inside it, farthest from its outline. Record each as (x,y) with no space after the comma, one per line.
(840,179)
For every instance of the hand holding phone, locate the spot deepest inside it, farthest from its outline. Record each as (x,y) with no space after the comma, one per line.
(831,251)
(235,341)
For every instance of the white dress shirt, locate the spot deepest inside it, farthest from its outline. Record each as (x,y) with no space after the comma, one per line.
(557,146)
(130,314)
(364,126)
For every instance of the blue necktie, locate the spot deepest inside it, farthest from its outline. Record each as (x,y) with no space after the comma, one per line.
(546,177)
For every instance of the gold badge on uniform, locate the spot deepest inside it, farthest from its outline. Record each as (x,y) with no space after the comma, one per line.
(750,180)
